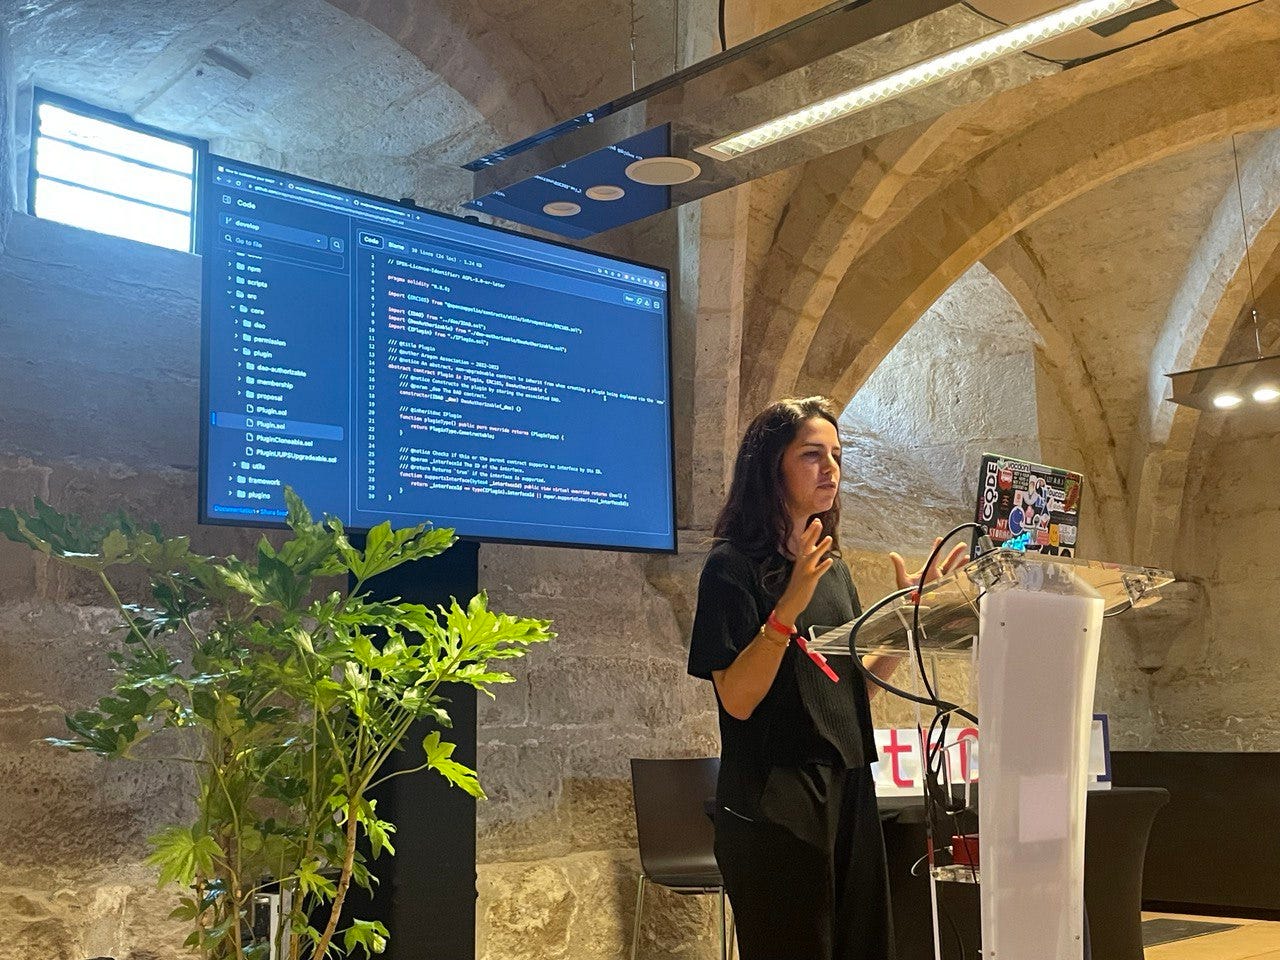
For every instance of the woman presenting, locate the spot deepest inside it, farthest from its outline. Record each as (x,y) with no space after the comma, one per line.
(798,835)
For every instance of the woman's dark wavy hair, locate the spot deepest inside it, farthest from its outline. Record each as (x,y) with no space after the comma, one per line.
(754,517)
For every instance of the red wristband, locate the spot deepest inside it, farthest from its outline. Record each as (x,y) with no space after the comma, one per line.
(776,625)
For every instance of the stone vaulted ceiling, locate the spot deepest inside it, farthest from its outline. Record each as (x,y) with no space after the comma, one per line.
(1089,192)
(365,92)
(1092,193)
(1113,260)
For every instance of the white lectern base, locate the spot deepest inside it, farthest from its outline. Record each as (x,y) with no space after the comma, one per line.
(1037,664)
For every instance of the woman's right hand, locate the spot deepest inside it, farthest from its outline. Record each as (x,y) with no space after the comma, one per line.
(810,564)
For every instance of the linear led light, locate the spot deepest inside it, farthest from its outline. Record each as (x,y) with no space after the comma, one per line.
(986,50)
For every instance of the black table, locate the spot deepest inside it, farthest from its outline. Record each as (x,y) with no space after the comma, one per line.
(1118,822)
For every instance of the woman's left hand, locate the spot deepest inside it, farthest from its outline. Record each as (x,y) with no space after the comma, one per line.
(957,557)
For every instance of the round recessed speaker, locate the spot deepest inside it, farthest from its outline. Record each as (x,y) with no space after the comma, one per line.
(561,208)
(663,171)
(606,191)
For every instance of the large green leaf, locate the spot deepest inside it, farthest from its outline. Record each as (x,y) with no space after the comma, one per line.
(312,882)
(458,774)
(386,549)
(181,853)
(369,935)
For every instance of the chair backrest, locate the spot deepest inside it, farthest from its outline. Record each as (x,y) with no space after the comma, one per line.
(675,833)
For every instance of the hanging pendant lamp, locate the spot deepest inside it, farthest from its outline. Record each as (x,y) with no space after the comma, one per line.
(1244,383)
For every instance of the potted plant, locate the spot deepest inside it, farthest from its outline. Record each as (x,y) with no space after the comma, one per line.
(286,696)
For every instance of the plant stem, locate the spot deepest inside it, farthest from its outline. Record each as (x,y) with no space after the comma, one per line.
(398,773)
(133,627)
(234,865)
(402,728)
(344,881)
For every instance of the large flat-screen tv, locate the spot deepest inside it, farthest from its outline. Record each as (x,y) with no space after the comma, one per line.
(389,363)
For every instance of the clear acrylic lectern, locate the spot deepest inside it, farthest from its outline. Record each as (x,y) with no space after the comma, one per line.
(1036,622)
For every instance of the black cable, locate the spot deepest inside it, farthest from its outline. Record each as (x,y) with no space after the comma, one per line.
(885,684)
(984,15)
(935,780)
(942,907)
(955,930)
(936,786)
(915,613)
(954,812)
(1176,28)
(723,45)
(935,761)
(1068,64)
(937,793)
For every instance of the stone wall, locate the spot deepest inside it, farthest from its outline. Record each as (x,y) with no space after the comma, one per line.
(102,348)
(1218,684)
(961,382)
(557,840)
(967,378)
(102,367)
(101,372)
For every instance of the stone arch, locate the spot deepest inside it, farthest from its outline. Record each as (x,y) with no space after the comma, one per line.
(1031,174)
(819,234)
(1115,125)
(1061,361)
(1196,330)
(910,451)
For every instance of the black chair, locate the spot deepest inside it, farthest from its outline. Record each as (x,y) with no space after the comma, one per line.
(675,835)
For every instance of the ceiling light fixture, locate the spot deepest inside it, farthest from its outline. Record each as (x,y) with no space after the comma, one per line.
(605,192)
(996,46)
(662,171)
(561,208)
(871,66)
(1222,387)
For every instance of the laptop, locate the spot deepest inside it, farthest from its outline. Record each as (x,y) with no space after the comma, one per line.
(1028,506)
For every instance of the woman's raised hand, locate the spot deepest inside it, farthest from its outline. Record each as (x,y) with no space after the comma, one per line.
(811,563)
(957,557)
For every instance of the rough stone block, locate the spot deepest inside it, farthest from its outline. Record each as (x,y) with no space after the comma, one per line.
(583,907)
(591,691)
(510,704)
(56,652)
(77,811)
(523,778)
(528,911)
(115,911)
(601,813)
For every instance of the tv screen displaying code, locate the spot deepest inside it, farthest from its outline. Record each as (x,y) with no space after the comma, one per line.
(389,363)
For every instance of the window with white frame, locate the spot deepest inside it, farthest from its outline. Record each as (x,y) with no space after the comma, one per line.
(103,172)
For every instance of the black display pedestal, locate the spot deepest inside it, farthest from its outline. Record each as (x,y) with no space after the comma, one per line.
(427,891)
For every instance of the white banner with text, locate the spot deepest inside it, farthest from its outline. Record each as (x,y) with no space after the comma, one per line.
(898,773)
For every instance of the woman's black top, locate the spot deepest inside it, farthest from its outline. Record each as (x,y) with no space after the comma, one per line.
(805,719)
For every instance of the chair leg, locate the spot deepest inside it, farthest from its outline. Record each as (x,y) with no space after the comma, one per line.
(724,937)
(635,930)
